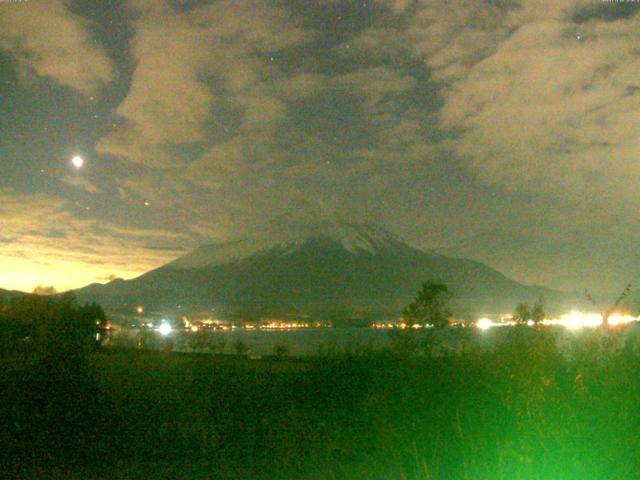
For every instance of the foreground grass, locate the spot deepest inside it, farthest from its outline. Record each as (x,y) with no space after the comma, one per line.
(521,410)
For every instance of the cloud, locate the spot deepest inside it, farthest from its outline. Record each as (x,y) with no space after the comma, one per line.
(244,170)
(47,39)
(378,45)
(300,86)
(190,61)
(108,278)
(81,182)
(454,36)
(552,111)
(538,97)
(47,243)
(377,84)
(451,37)
(271,128)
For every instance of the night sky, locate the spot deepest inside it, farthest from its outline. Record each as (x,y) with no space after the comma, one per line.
(500,130)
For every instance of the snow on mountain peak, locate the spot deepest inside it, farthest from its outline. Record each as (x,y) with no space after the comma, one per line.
(287,234)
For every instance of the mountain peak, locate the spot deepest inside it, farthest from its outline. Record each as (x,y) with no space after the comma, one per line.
(289,233)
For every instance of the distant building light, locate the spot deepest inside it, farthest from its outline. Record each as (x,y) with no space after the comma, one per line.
(164,329)
(484,324)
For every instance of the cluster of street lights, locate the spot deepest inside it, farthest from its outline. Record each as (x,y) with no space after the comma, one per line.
(574,320)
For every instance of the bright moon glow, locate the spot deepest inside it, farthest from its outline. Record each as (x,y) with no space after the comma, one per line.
(77,161)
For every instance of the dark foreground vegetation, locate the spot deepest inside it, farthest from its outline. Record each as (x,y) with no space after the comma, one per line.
(517,404)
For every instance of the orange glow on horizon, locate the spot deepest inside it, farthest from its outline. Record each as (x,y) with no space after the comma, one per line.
(25,275)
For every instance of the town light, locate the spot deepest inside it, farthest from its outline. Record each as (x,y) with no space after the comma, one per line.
(484,324)
(164,329)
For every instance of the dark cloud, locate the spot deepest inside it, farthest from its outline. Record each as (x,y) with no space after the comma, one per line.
(605,11)
(108,278)
(163,247)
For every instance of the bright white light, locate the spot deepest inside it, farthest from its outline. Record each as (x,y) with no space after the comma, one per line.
(484,324)
(164,329)
(77,161)
(576,320)
(619,319)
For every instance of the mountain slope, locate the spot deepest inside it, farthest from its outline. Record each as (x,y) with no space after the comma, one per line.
(598,261)
(8,294)
(317,269)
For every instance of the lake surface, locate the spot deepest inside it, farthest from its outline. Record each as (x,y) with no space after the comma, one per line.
(311,341)
(308,341)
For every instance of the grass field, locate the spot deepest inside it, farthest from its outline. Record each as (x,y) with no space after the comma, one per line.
(522,409)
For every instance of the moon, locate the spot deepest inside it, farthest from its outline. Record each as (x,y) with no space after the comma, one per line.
(77,161)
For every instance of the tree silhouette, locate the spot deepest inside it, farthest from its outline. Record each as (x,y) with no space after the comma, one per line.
(51,325)
(611,310)
(537,312)
(429,307)
(60,409)
(40,290)
(522,313)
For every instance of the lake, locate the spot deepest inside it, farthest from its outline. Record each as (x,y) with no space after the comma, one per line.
(307,341)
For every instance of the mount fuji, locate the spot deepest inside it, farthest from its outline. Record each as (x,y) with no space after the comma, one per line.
(326,270)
